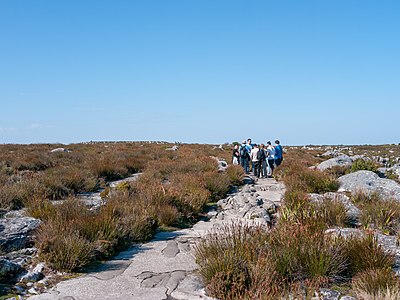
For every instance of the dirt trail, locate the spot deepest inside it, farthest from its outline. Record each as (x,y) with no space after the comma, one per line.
(165,267)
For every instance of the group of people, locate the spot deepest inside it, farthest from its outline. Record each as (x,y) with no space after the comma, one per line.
(263,158)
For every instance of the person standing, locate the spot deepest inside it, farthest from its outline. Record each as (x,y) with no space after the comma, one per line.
(235,155)
(278,153)
(254,160)
(270,159)
(262,161)
(244,156)
(249,147)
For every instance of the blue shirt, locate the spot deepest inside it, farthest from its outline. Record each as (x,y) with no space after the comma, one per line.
(278,151)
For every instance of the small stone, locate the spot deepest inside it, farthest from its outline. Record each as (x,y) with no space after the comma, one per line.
(34,275)
(33,291)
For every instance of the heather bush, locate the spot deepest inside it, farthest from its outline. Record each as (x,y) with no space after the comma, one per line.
(377,212)
(379,284)
(61,182)
(226,258)
(363,164)
(299,178)
(332,211)
(301,252)
(235,173)
(217,183)
(63,248)
(337,171)
(364,253)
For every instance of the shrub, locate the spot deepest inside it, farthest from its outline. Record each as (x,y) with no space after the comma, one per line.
(365,253)
(377,212)
(363,164)
(217,183)
(333,212)
(62,248)
(295,199)
(61,182)
(301,252)
(41,209)
(167,214)
(376,284)
(361,197)
(337,171)
(225,259)
(307,180)
(235,173)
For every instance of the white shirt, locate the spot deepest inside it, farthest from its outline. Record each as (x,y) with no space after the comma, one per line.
(271,152)
(253,154)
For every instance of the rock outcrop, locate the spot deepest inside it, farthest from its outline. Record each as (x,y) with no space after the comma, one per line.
(342,160)
(369,182)
(15,233)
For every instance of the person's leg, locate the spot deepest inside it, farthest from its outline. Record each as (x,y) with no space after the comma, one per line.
(243,163)
(264,169)
(271,164)
(259,168)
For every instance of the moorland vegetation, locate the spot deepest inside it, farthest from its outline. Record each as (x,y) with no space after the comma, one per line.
(299,255)
(173,189)
(296,256)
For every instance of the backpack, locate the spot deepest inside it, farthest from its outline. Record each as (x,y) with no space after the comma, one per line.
(243,152)
(261,155)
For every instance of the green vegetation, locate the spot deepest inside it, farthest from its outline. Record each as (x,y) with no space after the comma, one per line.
(363,164)
(378,213)
(300,178)
(173,189)
(376,284)
(297,256)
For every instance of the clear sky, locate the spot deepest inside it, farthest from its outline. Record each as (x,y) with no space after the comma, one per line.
(306,72)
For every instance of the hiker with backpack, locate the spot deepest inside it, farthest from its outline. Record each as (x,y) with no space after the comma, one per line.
(244,156)
(262,162)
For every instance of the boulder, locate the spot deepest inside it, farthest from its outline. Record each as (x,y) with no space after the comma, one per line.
(222,165)
(332,153)
(8,268)
(15,232)
(342,160)
(173,148)
(59,150)
(395,170)
(369,182)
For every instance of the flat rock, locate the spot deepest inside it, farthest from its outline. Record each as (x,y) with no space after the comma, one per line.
(171,250)
(342,160)
(369,182)
(15,232)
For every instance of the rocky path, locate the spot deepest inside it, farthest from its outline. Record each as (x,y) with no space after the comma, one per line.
(165,268)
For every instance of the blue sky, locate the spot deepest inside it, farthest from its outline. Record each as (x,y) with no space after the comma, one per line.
(306,72)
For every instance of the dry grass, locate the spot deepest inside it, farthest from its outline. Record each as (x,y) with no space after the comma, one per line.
(378,213)
(365,253)
(172,190)
(376,284)
(300,178)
